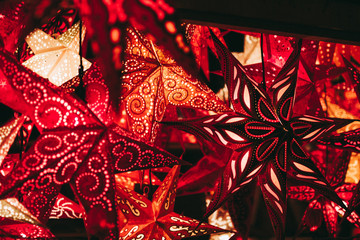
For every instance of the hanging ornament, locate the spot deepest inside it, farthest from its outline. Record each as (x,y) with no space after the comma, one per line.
(334,110)
(311,77)
(151,81)
(265,136)
(351,138)
(54,27)
(74,147)
(333,164)
(155,219)
(56,59)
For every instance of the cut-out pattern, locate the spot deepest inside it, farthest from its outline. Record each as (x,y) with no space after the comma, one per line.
(74,147)
(56,59)
(266,139)
(155,219)
(151,81)
(333,164)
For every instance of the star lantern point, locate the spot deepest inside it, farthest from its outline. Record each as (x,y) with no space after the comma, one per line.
(56,59)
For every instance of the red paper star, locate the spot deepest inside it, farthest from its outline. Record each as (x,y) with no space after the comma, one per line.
(152,81)
(266,139)
(351,139)
(74,147)
(155,219)
(334,166)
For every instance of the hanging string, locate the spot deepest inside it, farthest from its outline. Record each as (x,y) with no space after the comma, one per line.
(263,82)
(79,90)
(142,172)
(21,142)
(325,100)
(81,66)
(150,183)
(327,146)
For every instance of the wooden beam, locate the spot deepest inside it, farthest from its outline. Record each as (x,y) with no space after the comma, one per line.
(327,20)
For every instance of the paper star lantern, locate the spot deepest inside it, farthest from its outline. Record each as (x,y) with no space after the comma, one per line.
(56,59)
(151,81)
(351,138)
(55,26)
(311,79)
(333,164)
(155,219)
(74,147)
(338,139)
(266,139)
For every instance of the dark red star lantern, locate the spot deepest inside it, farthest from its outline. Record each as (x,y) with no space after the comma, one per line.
(266,139)
(74,147)
(312,76)
(155,219)
(351,139)
(348,140)
(333,164)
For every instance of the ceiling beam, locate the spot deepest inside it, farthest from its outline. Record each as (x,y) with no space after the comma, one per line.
(326,20)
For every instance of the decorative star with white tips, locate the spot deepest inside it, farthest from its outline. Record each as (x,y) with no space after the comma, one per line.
(265,137)
(56,59)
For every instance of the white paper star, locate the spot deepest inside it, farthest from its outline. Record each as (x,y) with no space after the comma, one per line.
(56,59)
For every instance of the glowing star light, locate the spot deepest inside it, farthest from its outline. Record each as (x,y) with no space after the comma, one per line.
(156,219)
(333,163)
(266,138)
(74,147)
(153,81)
(56,59)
